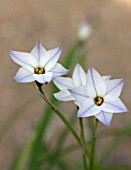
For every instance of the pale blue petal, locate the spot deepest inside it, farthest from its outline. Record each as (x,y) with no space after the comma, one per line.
(59,70)
(64,96)
(104,117)
(79,93)
(43,78)
(106,78)
(24,76)
(51,58)
(88,108)
(63,83)
(96,86)
(26,60)
(79,76)
(114,87)
(114,106)
(38,51)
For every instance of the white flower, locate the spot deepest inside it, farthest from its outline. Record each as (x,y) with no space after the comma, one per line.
(85,31)
(39,65)
(65,83)
(99,98)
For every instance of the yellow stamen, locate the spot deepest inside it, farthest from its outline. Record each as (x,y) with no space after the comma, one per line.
(98,101)
(39,70)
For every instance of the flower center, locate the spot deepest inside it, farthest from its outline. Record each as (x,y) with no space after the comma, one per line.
(98,100)
(39,70)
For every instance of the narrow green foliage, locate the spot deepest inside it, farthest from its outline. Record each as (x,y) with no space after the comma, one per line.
(75,54)
(40,132)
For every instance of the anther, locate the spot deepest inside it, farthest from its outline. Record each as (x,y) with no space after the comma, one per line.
(98,100)
(39,70)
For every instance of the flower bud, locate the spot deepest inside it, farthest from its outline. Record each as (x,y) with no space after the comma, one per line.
(84,31)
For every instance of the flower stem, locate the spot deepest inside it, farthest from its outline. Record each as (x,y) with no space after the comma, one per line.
(85,152)
(91,163)
(58,113)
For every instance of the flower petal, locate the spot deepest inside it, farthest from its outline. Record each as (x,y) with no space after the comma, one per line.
(26,60)
(88,108)
(104,117)
(64,96)
(38,51)
(24,76)
(63,83)
(106,78)
(44,78)
(79,93)
(114,106)
(77,103)
(96,86)
(51,58)
(114,87)
(79,76)
(59,70)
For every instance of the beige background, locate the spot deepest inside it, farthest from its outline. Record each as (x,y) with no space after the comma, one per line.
(55,22)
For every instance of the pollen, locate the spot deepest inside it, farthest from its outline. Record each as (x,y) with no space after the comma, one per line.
(98,100)
(39,70)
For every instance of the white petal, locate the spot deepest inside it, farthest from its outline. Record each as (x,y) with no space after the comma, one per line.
(79,76)
(59,70)
(64,96)
(44,78)
(38,51)
(88,108)
(110,98)
(104,117)
(79,93)
(77,103)
(51,58)
(114,106)
(26,60)
(24,76)
(114,87)
(106,78)
(96,86)
(63,83)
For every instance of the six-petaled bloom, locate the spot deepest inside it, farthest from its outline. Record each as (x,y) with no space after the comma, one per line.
(99,98)
(65,83)
(39,65)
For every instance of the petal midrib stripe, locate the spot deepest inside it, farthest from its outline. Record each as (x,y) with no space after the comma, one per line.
(80,94)
(25,77)
(68,87)
(38,52)
(20,59)
(114,106)
(93,81)
(87,109)
(115,87)
(104,117)
(79,76)
(53,56)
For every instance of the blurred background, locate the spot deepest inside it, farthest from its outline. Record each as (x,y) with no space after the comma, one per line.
(55,23)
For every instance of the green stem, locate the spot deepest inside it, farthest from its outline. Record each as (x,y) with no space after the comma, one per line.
(58,113)
(83,144)
(92,155)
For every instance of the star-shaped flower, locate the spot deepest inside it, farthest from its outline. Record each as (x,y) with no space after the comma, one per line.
(65,83)
(99,98)
(39,65)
